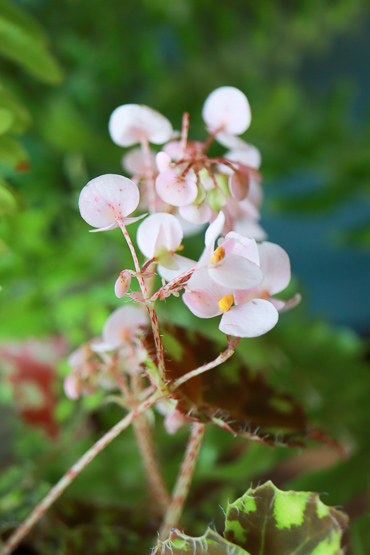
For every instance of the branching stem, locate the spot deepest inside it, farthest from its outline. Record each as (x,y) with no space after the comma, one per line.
(223,357)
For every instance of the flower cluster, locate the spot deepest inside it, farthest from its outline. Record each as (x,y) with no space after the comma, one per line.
(184,190)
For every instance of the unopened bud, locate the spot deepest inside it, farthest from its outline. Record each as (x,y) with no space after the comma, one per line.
(123,283)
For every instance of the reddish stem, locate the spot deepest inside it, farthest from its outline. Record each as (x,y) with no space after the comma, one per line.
(184,132)
(156,485)
(223,357)
(152,313)
(183,481)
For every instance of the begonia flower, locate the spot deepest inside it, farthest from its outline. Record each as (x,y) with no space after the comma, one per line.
(176,190)
(106,201)
(129,124)
(134,162)
(196,213)
(207,299)
(234,264)
(275,264)
(227,109)
(121,326)
(159,236)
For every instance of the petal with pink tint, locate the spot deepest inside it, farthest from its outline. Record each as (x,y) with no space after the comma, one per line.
(251,319)
(239,185)
(282,306)
(159,230)
(236,272)
(249,156)
(72,387)
(275,265)
(122,284)
(163,161)
(174,421)
(108,199)
(227,109)
(122,324)
(174,150)
(131,123)
(196,214)
(243,246)
(174,190)
(133,162)
(201,304)
(231,141)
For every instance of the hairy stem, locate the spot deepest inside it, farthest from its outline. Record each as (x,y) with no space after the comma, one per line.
(74,471)
(152,313)
(184,478)
(222,357)
(157,488)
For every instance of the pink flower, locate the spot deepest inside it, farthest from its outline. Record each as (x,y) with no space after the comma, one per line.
(131,123)
(175,189)
(233,264)
(134,163)
(106,201)
(121,326)
(246,311)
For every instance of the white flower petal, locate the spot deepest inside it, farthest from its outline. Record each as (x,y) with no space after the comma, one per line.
(275,265)
(108,199)
(227,109)
(159,230)
(134,163)
(183,264)
(236,272)
(196,214)
(121,324)
(251,319)
(130,123)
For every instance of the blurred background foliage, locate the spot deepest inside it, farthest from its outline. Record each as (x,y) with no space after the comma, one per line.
(304,66)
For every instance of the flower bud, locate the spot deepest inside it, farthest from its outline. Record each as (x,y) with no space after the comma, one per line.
(123,283)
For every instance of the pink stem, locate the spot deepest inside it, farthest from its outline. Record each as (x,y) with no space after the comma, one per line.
(182,486)
(156,485)
(152,313)
(74,471)
(216,362)
(184,132)
(149,175)
(179,280)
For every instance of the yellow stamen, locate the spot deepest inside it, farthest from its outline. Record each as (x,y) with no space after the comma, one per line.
(225,303)
(219,254)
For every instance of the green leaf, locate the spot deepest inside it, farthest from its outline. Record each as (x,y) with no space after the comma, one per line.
(21,118)
(6,120)
(12,153)
(267,521)
(8,200)
(231,396)
(24,43)
(211,543)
